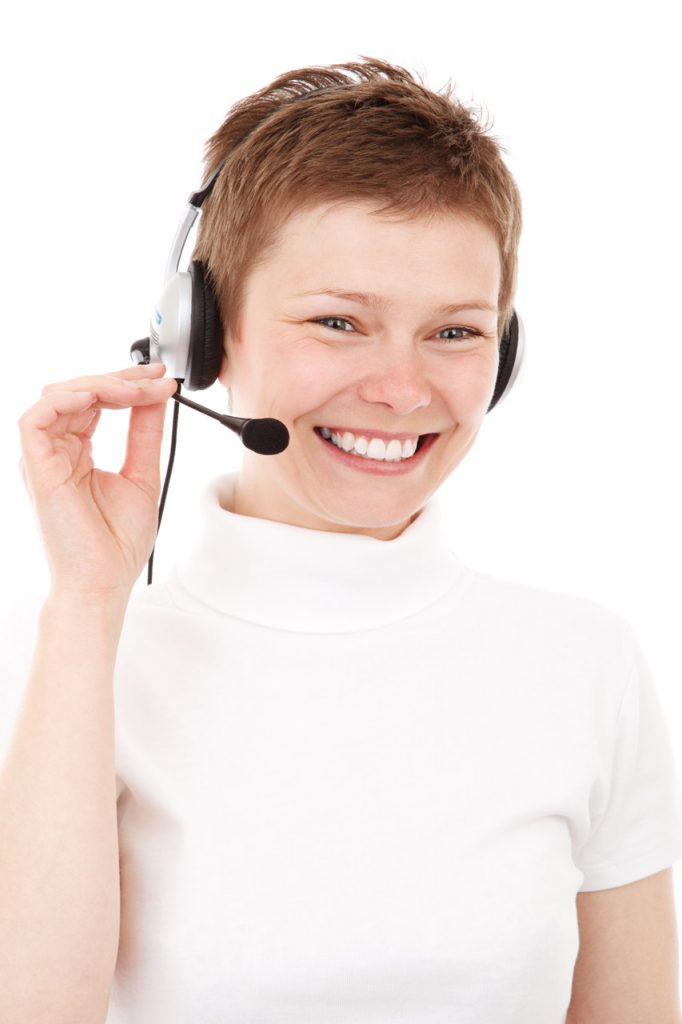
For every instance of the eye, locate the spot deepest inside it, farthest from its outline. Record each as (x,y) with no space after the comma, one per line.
(338,319)
(468,331)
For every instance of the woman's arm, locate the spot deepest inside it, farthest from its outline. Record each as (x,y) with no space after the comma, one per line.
(59,877)
(627,969)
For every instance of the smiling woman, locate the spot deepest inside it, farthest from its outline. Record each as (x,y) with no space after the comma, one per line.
(352,779)
(389,373)
(373,277)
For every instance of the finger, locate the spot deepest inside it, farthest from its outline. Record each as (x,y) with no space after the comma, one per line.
(143,450)
(143,371)
(117,393)
(36,421)
(81,424)
(43,467)
(90,422)
(43,421)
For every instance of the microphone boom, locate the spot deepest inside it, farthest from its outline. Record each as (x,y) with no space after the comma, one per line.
(266,436)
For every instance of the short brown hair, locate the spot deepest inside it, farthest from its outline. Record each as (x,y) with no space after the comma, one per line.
(388,138)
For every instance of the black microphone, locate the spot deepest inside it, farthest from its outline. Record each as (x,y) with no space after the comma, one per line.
(266,436)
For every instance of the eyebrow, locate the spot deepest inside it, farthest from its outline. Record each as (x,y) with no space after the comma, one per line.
(372,299)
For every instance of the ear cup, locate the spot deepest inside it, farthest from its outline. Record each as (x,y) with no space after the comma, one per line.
(511,357)
(206,331)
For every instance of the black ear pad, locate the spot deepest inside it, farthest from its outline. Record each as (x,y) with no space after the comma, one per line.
(206,331)
(508,350)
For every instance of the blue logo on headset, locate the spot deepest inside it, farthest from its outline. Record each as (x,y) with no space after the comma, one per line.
(157,317)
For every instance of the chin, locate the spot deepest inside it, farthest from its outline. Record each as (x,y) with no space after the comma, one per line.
(373,515)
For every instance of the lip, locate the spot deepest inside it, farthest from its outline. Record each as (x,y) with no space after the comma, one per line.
(376,466)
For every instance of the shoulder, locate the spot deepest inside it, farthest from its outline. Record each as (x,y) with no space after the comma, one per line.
(549,617)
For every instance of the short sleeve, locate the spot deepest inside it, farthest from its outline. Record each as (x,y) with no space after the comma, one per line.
(640,829)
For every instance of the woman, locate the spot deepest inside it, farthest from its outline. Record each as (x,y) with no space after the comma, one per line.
(333,773)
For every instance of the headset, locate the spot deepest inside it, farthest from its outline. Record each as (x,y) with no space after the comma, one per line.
(186,334)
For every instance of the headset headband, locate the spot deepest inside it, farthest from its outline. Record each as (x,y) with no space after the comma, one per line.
(197,198)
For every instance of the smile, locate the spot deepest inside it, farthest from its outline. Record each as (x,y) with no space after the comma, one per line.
(379,458)
(371,447)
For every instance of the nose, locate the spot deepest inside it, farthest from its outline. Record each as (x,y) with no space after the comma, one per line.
(398,379)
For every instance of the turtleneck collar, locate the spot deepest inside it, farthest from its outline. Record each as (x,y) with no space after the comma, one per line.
(312,581)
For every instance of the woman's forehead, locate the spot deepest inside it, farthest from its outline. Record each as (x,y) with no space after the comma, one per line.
(366,213)
(342,236)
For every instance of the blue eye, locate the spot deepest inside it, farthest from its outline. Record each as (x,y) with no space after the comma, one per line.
(468,331)
(339,319)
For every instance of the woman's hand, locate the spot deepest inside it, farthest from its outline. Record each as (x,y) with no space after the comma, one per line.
(98,528)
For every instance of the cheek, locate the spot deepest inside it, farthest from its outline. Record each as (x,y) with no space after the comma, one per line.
(313,370)
(305,375)
(296,378)
(470,385)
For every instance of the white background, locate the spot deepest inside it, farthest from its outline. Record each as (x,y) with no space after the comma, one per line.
(573,482)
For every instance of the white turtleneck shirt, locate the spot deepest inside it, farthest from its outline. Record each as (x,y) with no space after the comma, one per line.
(362,783)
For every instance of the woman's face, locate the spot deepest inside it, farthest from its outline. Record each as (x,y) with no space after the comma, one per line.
(395,364)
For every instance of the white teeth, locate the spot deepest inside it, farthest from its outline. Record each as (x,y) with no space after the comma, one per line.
(377,449)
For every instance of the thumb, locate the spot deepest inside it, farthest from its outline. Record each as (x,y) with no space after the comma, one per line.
(143,451)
